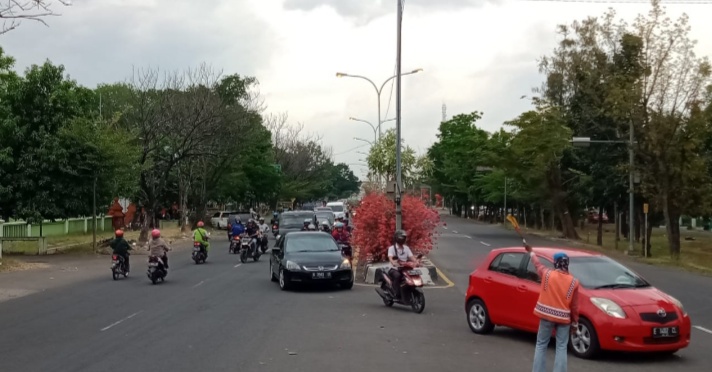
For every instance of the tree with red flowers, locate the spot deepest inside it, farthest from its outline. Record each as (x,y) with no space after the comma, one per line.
(375,224)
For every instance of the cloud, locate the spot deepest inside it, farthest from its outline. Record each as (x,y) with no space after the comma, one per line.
(100,41)
(364,11)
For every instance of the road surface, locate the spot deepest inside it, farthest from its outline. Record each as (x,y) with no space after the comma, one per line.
(227,316)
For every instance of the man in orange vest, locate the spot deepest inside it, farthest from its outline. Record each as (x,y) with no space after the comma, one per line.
(558,309)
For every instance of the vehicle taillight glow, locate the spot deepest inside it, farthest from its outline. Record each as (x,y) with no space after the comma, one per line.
(196,244)
(114,257)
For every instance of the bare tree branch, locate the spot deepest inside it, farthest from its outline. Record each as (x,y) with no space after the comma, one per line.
(13,11)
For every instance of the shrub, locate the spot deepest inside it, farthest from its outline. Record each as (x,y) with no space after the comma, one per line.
(375,224)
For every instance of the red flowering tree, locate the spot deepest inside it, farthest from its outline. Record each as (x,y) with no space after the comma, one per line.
(375,224)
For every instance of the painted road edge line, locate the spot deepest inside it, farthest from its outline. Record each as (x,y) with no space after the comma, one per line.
(703,329)
(483,243)
(120,321)
(445,278)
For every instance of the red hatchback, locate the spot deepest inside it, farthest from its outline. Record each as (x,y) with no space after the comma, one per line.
(619,310)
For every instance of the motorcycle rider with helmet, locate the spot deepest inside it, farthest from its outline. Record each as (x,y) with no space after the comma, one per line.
(200,235)
(340,234)
(159,248)
(307,222)
(253,231)
(325,227)
(238,228)
(265,229)
(397,253)
(121,247)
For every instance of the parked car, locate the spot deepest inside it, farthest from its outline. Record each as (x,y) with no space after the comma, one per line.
(309,257)
(619,309)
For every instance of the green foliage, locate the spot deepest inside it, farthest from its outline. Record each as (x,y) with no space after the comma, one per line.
(382,159)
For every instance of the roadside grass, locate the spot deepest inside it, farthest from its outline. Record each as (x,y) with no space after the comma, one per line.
(695,255)
(78,243)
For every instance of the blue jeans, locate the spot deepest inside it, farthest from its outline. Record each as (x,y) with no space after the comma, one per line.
(542,342)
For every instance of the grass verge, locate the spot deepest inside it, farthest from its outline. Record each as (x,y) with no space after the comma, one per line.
(695,246)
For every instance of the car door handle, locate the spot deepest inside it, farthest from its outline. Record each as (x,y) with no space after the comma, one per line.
(522,288)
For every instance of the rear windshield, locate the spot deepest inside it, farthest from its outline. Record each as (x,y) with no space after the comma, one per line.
(293,220)
(337,208)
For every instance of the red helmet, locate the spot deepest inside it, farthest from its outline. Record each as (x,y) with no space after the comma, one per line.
(156,233)
(200,224)
(119,233)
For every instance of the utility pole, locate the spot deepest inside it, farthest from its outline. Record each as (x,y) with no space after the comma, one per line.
(399,212)
(631,194)
(504,215)
(93,211)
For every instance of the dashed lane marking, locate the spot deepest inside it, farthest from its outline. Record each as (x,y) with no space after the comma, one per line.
(703,329)
(483,243)
(238,265)
(455,231)
(120,321)
(199,284)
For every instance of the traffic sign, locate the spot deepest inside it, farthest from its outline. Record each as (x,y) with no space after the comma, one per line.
(645,208)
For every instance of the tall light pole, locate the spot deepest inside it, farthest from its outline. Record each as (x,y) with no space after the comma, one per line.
(585,141)
(375,133)
(399,184)
(363,140)
(378,90)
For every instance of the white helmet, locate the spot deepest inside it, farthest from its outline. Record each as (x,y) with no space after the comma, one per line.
(311,226)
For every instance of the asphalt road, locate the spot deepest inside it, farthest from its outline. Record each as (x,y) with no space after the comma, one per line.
(463,244)
(227,316)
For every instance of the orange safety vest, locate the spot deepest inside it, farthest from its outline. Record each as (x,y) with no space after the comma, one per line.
(557,289)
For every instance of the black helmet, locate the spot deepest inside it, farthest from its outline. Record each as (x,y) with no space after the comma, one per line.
(400,237)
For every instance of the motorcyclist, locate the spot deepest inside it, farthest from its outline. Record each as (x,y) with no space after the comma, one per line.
(158,247)
(325,227)
(275,218)
(307,222)
(311,227)
(201,236)
(265,229)
(238,228)
(397,253)
(253,230)
(121,247)
(340,234)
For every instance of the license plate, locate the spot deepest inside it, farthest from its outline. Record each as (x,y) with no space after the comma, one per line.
(196,249)
(664,332)
(153,264)
(413,272)
(321,275)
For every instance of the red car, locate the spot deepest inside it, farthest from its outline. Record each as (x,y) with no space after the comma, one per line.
(619,310)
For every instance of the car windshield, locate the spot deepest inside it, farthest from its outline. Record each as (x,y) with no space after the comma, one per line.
(293,220)
(603,272)
(314,242)
(325,216)
(336,208)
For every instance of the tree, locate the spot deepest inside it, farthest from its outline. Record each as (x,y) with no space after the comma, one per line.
(344,182)
(13,11)
(382,159)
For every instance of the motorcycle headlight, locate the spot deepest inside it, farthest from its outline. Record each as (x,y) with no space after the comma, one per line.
(677,303)
(291,265)
(345,264)
(609,307)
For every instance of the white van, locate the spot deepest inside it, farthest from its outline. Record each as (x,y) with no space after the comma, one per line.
(339,209)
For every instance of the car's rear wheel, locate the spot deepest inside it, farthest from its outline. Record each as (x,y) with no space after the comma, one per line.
(478,317)
(584,341)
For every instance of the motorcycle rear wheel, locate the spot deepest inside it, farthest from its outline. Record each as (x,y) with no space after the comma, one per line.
(417,302)
(114,274)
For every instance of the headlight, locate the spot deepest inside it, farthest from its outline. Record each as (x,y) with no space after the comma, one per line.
(291,265)
(677,303)
(609,307)
(346,264)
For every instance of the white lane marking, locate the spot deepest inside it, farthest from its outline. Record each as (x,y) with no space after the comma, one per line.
(445,227)
(199,284)
(483,243)
(455,231)
(121,321)
(703,329)
(238,265)
(468,237)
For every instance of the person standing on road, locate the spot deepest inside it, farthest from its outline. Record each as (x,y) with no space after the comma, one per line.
(557,308)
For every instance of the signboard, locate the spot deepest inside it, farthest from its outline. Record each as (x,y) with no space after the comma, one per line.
(645,208)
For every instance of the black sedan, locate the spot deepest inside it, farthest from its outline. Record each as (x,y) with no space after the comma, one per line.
(309,257)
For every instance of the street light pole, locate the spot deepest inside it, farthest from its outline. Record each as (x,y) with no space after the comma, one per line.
(504,214)
(378,90)
(399,212)
(631,180)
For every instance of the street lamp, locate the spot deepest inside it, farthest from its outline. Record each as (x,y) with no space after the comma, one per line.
(585,142)
(363,140)
(375,135)
(378,90)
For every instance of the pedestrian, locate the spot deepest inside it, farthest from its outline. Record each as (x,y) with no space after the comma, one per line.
(557,309)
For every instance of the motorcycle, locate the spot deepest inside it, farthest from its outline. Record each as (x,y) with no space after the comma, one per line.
(118,267)
(275,230)
(250,249)
(346,250)
(199,254)
(235,245)
(411,289)
(156,270)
